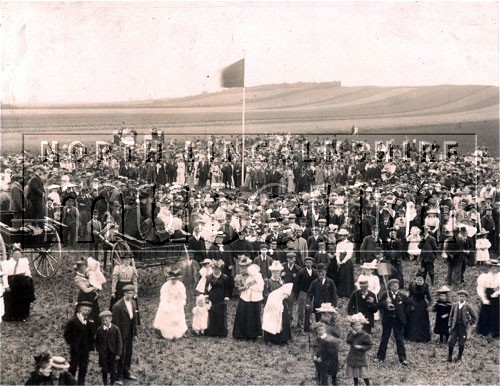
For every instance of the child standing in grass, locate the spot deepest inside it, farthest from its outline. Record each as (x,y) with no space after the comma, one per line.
(462,315)
(442,308)
(360,342)
(200,314)
(326,359)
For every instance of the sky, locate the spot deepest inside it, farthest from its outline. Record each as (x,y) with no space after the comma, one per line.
(117,51)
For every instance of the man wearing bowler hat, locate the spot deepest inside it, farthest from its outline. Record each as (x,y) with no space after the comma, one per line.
(79,334)
(392,303)
(124,316)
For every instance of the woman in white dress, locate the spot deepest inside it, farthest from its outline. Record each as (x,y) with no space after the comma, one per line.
(181,172)
(482,248)
(170,318)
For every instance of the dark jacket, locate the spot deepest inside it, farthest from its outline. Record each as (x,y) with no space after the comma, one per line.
(121,318)
(288,275)
(197,247)
(303,280)
(401,303)
(357,357)
(38,379)
(429,249)
(65,379)
(35,189)
(322,293)
(328,352)
(358,304)
(80,336)
(467,312)
(109,340)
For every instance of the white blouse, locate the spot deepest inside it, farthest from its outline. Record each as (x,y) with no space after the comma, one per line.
(487,280)
(8,267)
(344,247)
(254,287)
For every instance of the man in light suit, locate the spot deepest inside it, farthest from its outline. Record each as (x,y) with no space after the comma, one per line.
(125,318)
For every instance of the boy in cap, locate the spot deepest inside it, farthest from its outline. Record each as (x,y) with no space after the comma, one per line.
(461,316)
(326,358)
(79,334)
(109,346)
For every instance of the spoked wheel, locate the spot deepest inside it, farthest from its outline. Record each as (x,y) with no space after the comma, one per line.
(47,257)
(119,250)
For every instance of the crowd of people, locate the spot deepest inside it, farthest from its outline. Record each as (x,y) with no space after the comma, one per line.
(281,232)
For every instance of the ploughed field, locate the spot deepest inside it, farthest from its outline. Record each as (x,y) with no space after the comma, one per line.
(419,112)
(204,360)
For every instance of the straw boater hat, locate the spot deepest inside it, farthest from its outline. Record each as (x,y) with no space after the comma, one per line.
(463,292)
(276,266)
(343,232)
(359,317)
(58,362)
(326,307)
(443,289)
(494,263)
(85,304)
(372,265)
(206,261)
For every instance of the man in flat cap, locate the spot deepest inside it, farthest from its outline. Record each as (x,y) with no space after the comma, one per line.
(392,303)
(124,316)
(79,334)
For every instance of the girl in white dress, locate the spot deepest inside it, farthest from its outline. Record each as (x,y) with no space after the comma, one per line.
(181,172)
(482,248)
(170,318)
(413,240)
(200,314)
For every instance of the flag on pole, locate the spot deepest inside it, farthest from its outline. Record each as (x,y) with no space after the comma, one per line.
(234,75)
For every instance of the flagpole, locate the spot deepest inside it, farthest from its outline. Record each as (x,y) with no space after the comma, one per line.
(243,136)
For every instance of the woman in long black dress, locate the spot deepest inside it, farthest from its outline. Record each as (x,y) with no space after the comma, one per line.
(19,289)
(488,290)
(343,254)
(276,309)
(219,289)
(250,284)
(418,326)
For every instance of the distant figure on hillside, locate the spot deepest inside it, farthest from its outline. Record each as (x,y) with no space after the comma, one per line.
(354,130)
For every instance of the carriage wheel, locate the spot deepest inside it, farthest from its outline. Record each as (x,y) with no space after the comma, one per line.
(3,248)
(120,249)
(47,258)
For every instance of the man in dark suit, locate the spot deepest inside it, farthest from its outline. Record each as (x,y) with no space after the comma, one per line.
(392,303)
(429,249)
(364,301)
(17,203)
(368,246)
(301,285)
(79,334)
(461,316)
(125,318)
(196,243)
(203,172)
(290,270)
(36,193)
(322,290)
(109,346)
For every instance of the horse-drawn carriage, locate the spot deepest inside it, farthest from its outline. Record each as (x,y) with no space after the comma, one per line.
(38,237)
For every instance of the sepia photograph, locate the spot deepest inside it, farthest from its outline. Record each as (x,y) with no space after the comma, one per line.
(250,193)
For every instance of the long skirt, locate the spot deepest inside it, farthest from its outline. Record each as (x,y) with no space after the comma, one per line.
(357,372)
(489,316)
(18,300)
(286,332)
(217,320)
(345,279)
(247,323)
(170,320)
(418,328)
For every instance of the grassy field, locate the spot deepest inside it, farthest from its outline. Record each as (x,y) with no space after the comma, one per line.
(203,360)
